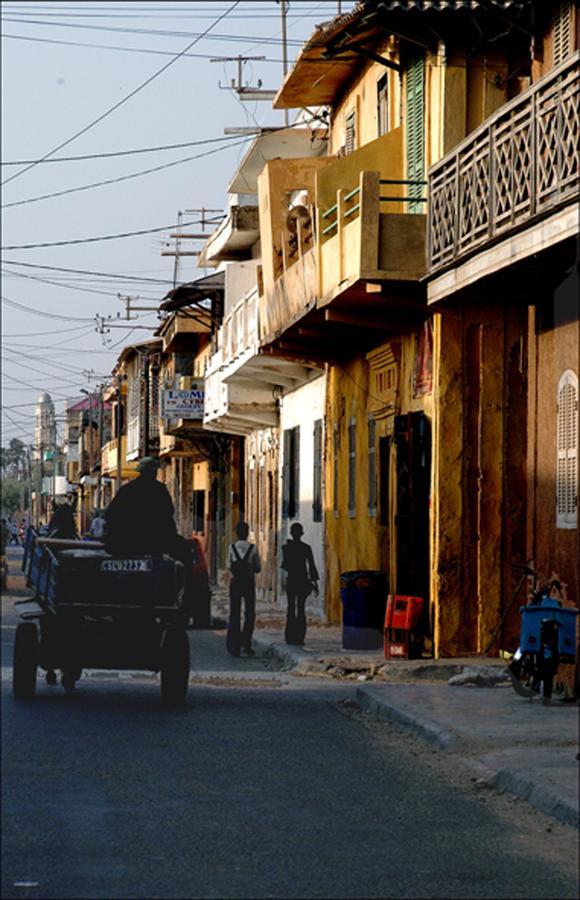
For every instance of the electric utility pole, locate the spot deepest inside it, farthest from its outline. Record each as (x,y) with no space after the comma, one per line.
(180,235)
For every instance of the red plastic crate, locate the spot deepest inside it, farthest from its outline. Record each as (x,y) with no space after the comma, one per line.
(403,612)
(403,617)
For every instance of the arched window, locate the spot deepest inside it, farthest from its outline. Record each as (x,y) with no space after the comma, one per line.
(567,464)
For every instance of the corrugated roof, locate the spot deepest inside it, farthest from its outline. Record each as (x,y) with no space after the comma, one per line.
(440,5)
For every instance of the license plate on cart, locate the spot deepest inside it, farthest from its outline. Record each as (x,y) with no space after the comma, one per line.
(127,565)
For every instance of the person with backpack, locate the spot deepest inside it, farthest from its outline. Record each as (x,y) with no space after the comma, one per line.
(244,564)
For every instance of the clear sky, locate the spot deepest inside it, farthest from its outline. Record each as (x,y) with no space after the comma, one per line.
(65,64)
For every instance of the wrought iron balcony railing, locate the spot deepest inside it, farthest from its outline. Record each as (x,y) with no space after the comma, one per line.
(521,164)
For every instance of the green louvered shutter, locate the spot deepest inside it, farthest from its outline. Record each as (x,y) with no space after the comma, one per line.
(415,78)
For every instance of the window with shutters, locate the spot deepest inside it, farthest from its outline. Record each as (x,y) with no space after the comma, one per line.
(562,31)
(335,449)
(567,464)
(382,105)
(154,402)
(415,128)
(317,473)
(350,133)
(198,511)
(372,428)
(352,468)
(291,473)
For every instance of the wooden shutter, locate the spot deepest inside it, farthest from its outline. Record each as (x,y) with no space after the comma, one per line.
(382,105)
(350,133)
(317,473)
(295,463)
(567,457)
(372,466)
(352,467)
(562,32)
(415,130)
(286,468)
(335,449)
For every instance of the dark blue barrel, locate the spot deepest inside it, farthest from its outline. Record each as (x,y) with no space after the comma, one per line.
(364,598)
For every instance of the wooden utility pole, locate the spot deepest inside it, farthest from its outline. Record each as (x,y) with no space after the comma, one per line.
(283,13)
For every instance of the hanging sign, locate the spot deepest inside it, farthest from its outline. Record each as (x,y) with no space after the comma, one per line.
(183,404)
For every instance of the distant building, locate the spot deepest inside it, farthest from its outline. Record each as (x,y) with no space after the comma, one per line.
(44,425)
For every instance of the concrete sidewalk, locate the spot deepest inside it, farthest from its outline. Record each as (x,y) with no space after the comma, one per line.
(507,743)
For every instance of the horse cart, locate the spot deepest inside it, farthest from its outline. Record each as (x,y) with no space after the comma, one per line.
(92,610)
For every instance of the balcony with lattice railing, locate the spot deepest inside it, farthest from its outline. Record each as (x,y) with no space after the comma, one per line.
(520,166)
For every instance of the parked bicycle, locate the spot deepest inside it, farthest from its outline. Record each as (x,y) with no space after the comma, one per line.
(548,637)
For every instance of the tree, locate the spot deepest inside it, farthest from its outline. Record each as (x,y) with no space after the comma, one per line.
(13,459)
(11,491)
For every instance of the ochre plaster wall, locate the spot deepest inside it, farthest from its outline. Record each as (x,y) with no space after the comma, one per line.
(361,96)
(478,494)
(360,541)
(555,550)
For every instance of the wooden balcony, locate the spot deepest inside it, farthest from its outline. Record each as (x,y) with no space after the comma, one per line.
(176,329)
(358,265)
(110,458)
(517,170)
(360,244)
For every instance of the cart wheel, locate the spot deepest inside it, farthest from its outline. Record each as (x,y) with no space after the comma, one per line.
(68,681)
(25,661)
(50,677)
(174,665)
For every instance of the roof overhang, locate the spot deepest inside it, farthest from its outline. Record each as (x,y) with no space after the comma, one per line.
(334,52)
(284,143)
(194,292)
(234,237)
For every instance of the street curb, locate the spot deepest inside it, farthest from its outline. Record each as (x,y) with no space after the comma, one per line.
(537,795)
(426,728)
(509,781)
(300,662)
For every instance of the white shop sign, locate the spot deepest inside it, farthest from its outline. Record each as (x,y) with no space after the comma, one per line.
(183,404)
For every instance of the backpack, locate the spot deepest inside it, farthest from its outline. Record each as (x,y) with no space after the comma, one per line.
(241,568)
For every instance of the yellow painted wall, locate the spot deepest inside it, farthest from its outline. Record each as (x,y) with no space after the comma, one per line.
(359,541)
(361,96)
(461,91)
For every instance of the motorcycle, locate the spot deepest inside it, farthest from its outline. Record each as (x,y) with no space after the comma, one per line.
(548,637)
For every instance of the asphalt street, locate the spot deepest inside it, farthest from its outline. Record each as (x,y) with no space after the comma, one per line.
(264,785)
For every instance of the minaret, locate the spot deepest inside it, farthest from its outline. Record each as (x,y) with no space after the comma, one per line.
(44,425)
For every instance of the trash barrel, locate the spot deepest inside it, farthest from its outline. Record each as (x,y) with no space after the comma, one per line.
(364,597)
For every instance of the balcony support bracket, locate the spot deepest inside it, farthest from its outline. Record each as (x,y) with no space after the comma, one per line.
(362,51)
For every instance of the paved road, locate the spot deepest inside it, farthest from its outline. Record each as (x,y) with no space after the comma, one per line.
(275,788)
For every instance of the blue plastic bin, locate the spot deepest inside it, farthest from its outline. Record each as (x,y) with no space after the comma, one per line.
(532,618)
(364,598)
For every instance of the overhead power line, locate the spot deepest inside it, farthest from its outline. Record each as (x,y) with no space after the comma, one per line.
(161,33)
(43,333)
(131,94)
(92,240)
(108,155)
(28,265)
(45,315)
(86,187)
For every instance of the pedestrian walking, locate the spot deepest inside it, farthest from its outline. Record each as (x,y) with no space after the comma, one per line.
(98,523)
(13,527)
(244,564)
(62,524)
(301,580)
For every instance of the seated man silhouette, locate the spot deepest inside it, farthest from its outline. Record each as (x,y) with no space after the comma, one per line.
(140,521)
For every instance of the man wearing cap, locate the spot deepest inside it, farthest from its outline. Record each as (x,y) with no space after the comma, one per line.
(140,517)
(140,521)
(301,579)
